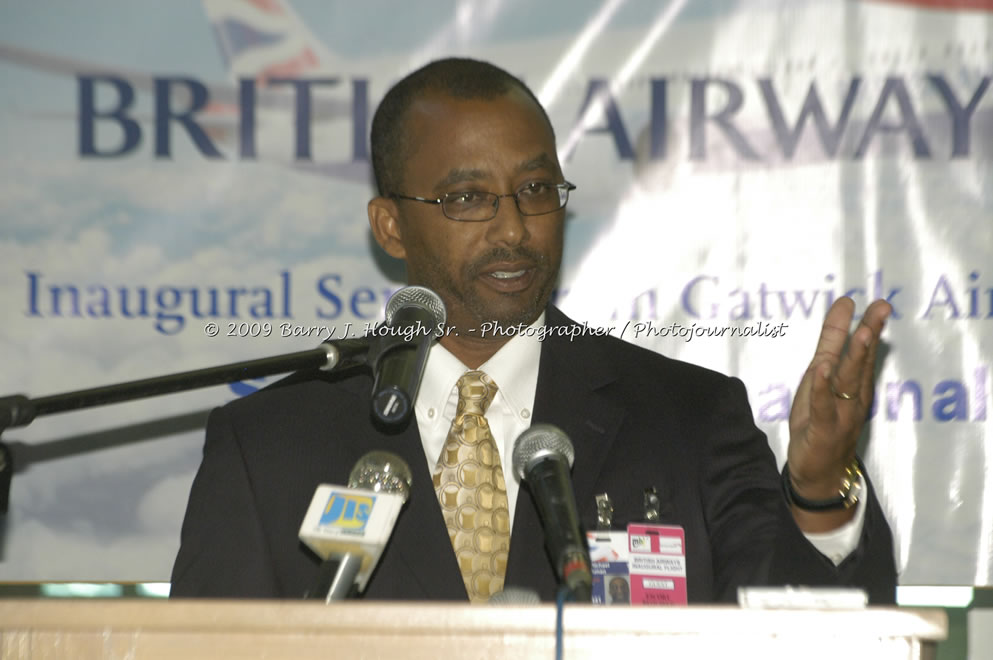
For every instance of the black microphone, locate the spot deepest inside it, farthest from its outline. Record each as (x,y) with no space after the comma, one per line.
(350,528)
(415,316)
(543,457)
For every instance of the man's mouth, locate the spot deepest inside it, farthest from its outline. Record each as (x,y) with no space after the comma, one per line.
(508,275)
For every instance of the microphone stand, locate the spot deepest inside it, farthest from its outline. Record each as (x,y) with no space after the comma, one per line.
(19,410)
(336,578)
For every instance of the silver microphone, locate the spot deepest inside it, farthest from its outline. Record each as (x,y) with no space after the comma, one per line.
(377,471)
(542,458)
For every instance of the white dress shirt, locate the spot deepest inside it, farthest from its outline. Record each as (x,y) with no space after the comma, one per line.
(514,369)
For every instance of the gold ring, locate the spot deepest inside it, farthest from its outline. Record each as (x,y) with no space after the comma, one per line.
(842,395)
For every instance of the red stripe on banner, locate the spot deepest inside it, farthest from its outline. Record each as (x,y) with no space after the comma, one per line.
(293,67)
(269,6)
(980,5)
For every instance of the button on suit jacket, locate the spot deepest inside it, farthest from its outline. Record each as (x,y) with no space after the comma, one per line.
(636,419)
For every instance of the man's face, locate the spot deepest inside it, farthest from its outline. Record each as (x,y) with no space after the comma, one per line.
(502,270)
(619,591)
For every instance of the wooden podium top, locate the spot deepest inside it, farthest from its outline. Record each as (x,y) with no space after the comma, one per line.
(293,629)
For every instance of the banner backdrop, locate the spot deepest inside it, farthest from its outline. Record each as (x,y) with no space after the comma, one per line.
(184,184)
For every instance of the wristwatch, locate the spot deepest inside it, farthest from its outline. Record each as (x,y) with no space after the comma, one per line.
(849,491)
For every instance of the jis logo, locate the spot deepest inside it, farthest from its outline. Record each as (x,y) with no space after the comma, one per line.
(347,511)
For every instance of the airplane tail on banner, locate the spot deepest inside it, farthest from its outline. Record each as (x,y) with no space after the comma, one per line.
(265,39)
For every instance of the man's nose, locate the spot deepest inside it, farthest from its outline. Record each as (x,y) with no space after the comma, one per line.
(509,226)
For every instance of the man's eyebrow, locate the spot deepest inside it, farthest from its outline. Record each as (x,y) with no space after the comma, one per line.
(467,174)
(460,175)
(538,162)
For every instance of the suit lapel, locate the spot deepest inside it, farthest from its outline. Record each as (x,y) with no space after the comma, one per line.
(569,377)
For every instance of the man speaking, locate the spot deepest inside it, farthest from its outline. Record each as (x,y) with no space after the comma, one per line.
(472,199)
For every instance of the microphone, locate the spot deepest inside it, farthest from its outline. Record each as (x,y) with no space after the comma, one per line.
(415,316)
(348,527)
(542,458)
(515,596)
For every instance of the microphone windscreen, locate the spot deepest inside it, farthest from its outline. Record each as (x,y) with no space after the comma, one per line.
(417,297)
(382,472)
(515,596)
(540,441)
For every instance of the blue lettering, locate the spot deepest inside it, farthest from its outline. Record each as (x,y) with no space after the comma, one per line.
(88,115)
(246,128)
(650,300)
(687,296)
(360,119)
(199,96)
(763,293)
(943,289)
(799,301)
(101,305)
(233,294)
(360,296)
(213,312)
(659,121)
(143,302)
(954,406)
(787,138)
(167,300)
(598,92)
(73,293)
(699,117)
(777,407)
(894,394)
(33,279)
(910,123)
(329,295)
(960,116)
(284,275)
(302,112)
(262,308)
(743,311)
(981,375)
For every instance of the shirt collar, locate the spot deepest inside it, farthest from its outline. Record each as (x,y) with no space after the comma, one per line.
(514,368)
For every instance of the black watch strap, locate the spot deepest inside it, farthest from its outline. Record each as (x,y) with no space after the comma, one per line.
(849,490)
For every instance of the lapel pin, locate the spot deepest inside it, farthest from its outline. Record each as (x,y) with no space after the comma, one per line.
(651,504)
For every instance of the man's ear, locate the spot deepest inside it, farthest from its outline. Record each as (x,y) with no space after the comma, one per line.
(386,227)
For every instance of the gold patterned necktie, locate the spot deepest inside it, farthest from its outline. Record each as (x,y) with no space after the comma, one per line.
(469,482)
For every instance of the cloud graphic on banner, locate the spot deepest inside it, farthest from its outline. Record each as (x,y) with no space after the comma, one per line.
(263,210)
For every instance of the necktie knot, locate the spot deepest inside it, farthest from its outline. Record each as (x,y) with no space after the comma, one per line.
(476,392)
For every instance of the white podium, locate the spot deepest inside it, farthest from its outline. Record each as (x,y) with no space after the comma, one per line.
(137,629)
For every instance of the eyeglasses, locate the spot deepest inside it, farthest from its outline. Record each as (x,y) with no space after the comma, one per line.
(535,198)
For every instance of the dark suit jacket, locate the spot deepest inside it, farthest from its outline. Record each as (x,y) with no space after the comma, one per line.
(636,419)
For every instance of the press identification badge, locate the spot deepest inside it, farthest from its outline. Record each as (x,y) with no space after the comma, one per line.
(644,566)
(657,564)
(609,561)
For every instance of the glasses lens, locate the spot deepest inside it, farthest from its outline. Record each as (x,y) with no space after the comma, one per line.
(539,198)
(469,206)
